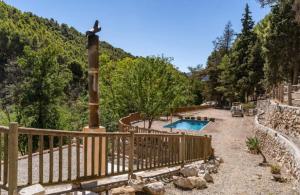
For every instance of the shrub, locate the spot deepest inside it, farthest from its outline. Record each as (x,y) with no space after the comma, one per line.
(249,105)
(253,144)
(275,169)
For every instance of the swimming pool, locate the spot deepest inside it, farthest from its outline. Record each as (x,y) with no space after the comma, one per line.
(194,125)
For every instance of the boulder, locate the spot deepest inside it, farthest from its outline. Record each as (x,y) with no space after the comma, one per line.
(125,190)
(156,188)
(207,177)
(197,182)
(189,171)
(183,183)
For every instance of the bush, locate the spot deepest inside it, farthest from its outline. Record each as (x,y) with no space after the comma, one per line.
(275,169)
(249,105)
(253,144)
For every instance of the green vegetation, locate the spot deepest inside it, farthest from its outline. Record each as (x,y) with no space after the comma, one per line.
(151,86)
(253,144)
(275,169)
(258,58)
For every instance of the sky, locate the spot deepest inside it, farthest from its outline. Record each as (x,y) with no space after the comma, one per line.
(181,29)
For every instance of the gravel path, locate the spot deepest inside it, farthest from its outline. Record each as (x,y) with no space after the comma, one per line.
(240,174)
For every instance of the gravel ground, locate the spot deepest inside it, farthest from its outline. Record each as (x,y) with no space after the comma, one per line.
(240,174)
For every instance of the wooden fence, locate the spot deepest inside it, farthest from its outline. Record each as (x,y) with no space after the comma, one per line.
(53,156)
(287,94)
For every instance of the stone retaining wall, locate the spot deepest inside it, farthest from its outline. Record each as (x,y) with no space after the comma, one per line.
(282,118)
(279,147)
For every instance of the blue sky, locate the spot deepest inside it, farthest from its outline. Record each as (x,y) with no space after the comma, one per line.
(182,29)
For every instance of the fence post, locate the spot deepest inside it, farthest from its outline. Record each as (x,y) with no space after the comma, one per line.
(289,94)
(183,149)
(13,158)
(131,153)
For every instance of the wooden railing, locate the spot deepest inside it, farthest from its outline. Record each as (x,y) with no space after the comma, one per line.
(53,156)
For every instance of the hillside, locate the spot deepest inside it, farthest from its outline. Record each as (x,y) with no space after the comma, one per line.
(18,29)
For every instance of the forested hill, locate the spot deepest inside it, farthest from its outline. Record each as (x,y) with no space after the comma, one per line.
(43,66)
(18,29)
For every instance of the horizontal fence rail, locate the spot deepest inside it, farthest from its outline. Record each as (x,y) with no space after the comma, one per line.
(53,157)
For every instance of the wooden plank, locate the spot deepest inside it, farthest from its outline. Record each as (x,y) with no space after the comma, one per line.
(69,158)
(85,155)
(124,153)
(77,157)
(41,159)
(5,171)
(142,151)
(118,154)
(100,156)
(146,151)
(51,159)
(138,151)
(60,156)
(29,137)
(13,158)
(93,156)
(113,154)
(106,151)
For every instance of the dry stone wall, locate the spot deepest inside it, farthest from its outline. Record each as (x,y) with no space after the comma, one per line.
(282,118)
(277,142)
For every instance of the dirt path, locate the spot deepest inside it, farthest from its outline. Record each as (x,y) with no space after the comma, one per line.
(240,174)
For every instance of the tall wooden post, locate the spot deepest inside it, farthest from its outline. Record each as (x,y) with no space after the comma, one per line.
(13,158)
(94,145)
(93,59)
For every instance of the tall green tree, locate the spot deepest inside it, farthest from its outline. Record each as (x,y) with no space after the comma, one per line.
(222,47)
(42,88)
(281,45)
(243,59)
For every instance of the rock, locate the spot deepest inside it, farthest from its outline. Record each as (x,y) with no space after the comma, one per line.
(212,169)
(175,177)
(189,171)
(128,190)
(278,177)
(183,183)
(137,184)
(207,177)
(197,182)
(150,180)
(156,188)
(36,189)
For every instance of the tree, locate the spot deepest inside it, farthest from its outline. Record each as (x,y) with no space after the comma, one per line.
(241,66)
(151,86)
(281,45)
(196,75)
(222,47)
(42,87)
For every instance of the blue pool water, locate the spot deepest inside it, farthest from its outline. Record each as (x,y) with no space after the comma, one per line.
(187,125)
